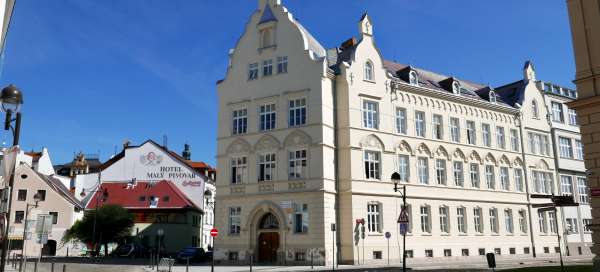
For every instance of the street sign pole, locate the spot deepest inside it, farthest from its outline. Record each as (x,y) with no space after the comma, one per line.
(388,235)
(213,232)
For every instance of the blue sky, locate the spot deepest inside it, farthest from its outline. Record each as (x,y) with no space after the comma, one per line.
(95,73)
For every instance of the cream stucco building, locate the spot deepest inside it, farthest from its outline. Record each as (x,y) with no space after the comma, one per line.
(309,137)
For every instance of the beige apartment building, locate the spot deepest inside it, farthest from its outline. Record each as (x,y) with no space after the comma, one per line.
(309,137)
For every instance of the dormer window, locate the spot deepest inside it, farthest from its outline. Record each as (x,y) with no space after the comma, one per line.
(267,37)
(369,71)
(413,79)
(492,97)
(455,87)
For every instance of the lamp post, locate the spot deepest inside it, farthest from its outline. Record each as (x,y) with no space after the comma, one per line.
(396,179)
(36,198)
(11,99)
(104,197)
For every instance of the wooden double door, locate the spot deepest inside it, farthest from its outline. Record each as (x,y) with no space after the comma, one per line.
(268,243)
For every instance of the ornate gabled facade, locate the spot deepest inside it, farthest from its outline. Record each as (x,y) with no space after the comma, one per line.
(310,137)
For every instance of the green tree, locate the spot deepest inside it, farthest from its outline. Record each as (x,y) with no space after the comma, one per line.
(113,224)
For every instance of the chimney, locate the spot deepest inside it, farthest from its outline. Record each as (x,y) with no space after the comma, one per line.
(348,43)
(187,153)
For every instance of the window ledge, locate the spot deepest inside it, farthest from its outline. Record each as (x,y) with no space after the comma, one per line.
(463,234)
(375,234)
(426,234)
(370,81)
(445,234)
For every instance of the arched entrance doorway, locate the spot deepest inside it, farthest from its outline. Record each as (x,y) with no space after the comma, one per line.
(268,238)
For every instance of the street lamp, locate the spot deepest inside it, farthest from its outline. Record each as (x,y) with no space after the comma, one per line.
(36,198)
(11,99)
(104,197)
(402,219)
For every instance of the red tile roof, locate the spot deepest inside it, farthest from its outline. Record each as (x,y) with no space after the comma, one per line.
(130,197)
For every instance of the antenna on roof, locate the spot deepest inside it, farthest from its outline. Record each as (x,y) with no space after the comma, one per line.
(165,141)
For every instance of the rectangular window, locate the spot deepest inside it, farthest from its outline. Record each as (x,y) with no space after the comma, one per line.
(447,252)
(429,253)
(267,115)
(481,251)
(500,138)
(461,221)
(514,140)
(440,171)
(582,189)
(373,218)
(474,173)
(493,220)
(54,217)
(42,195)
(543,224)
(586,225)
(455,130)
(422,170)
(557,112)
(486,135)
(266,167)
(477,220)
(508,221)
(459,179)
(420,123)
(444,222)
(370,114)
(239,170)
(300,218)
(566,185)
(252,71)
(552,221)
(465,252)
(298,163)
(425,216)
(489,177)
(377,255)
(545,145)
(22,195)
(401,120)
(471,133)
(523,221)
(235,220)
(19,216)
(372,159)
(542,182)
(572,117)
(565,147)
(282,64)
(267,67)
(518,180)
(504,181)
(578,150)
(240,121)
(403,167)
(572,227)
(297,115)
(438,127)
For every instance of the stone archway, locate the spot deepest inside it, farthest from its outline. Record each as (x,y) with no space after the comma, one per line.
(267,223)
(268,238)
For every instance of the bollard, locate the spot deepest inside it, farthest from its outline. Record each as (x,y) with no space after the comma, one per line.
(311,261)
(187,264)
(251,260)
(64,268)
(170,265)
(21,264)
(35,265)
(52,266)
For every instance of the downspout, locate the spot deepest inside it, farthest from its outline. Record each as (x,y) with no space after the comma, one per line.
(559,185)
(337,169)
(518,117)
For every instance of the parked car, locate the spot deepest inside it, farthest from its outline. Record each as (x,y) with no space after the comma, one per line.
(130,250)
(195,254)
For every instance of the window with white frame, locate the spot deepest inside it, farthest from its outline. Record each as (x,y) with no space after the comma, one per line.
(240,121)
(552,221)
(471,133)
(252,71)
(455,87)
(492,97)
(535,112)
(459,177)
(493,220)
(403,167)
(474,174)
(565,147)
(461,220)
(582,190)
(571,225)
(586,225)
(542,222)
(500,138)
(372,164)
(425,219)
(508,221)
(438,127)
(298,164)
(504,181)
(267,66)
(572,117)
(422,170)
(489,177)
(413,79)
(370,114)
(566,185)
(369,74)
(282,64)
(444,220)
(235,220)
(557,112)
(523,221)
(239,170)
(401,120)
(266,167)
(478,220)
(514,140)
(374,217)
(542,182)
(297,112)
(300,217)
(440,171)
(455,129)
(518,180)
(267,114)
(420,123)
(578,150)
(486,135)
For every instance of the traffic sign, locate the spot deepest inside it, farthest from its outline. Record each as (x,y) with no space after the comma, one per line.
(403,228)
(403,218)
(388,235)
(214,232)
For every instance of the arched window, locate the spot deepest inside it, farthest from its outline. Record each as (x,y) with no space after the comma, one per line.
(413,79)
(269,221)
(369,71)
(492,97)
(534,109)
(455,87)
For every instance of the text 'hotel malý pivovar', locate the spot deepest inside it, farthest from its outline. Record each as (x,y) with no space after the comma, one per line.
(309,137)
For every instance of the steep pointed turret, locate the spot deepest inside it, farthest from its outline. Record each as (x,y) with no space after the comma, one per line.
(529,71)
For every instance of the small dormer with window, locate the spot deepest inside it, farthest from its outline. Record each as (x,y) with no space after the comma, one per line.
(456,87)
(492,97)
(409,74)
(451,85)
(413,78)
